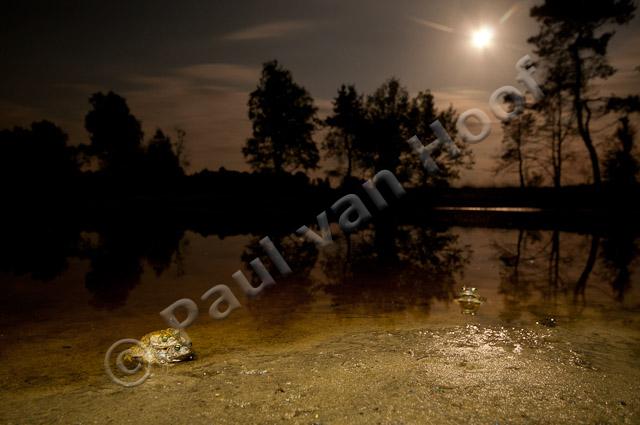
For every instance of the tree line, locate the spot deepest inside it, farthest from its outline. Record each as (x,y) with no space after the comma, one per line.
(572,44)
(40,157)
(366,133)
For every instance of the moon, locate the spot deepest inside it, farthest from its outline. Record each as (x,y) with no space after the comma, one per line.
(482,37)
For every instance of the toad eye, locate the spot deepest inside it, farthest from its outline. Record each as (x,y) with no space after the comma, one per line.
(177,347)
(164,339)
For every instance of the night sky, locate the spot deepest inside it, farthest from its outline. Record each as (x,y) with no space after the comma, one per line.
(192,64)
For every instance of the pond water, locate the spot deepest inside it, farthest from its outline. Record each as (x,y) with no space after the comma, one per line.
(365,330)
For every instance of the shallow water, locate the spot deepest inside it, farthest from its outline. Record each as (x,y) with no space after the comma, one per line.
(364,331)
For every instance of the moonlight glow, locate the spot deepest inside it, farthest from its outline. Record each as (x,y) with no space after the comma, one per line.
(482,37)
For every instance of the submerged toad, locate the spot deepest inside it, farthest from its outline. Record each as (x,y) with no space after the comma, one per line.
(469,300)
(549,322)
(160,347)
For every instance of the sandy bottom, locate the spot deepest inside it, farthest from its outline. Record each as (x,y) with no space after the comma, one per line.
(461,374)
(370,352)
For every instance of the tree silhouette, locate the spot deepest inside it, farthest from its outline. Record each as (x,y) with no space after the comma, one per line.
(346,127)
(422,113)
(387,122)
(162,163)
(556,125)
(392,117)
(116,135)
(573,39)
(37,157)
(518,136)
(283,120)
(180,148)
(620,165)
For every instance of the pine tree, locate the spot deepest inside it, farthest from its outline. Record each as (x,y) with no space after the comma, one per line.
(283,121)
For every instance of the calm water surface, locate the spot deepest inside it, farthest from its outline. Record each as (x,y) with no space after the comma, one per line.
(68,297)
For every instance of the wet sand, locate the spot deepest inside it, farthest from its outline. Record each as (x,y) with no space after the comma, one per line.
(300,354)
(463,374)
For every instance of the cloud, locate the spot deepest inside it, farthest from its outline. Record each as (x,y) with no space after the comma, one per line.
(516,7)
(79,87)
(209,75)
(461,97)
(230,74)
(269,30)
(15,114)
(209,101)
(432,25)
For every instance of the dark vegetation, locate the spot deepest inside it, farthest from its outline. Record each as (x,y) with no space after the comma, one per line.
(135,193)
(118,167)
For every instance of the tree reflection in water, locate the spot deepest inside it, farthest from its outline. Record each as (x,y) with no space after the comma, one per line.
(116,261)
(384,267)
(619,253)
(116,253)
(387,267)
(556,264)
(291,294)
(39,249)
